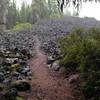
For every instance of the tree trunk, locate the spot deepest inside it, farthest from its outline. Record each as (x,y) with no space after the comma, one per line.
(3,13)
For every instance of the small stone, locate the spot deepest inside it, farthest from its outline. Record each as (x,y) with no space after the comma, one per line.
(29,73)
(11,60)
(55,66)
(1,87)
(73,78)
(15,74)
(25,71)
(50,60)
(1,77)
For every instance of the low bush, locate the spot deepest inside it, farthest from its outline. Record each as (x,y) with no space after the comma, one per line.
(80,52)
(20,26)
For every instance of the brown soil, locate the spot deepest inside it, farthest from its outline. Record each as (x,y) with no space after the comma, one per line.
(46,84)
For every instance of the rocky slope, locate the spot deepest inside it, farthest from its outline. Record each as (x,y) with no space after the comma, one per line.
(47,29)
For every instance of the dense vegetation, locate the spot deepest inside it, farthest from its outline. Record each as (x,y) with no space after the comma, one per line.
(81,54)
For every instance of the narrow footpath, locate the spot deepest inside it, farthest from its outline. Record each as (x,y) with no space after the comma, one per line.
(46,86)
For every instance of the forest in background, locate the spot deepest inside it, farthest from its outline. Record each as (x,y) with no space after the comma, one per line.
(31,13)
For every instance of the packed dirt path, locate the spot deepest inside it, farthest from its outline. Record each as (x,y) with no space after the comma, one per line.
(46,84)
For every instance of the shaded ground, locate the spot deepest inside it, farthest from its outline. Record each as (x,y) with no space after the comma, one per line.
(46,85)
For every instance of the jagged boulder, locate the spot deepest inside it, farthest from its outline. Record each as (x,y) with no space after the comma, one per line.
(21,85)
(73,79)
(56,66)
(11,93)
(50,60)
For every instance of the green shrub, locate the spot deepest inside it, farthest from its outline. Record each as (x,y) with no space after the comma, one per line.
(91,85)
(20,26)
(80,52)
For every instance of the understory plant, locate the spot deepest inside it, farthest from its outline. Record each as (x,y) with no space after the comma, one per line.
(20,26)
(80,50)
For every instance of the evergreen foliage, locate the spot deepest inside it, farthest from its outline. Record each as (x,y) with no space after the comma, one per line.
(81,53)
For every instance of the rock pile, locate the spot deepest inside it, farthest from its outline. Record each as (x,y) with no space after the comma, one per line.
(22,39)
(51,48)
(15,74)
(49,30)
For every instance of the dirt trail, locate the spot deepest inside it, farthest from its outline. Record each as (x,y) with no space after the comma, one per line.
(46,85)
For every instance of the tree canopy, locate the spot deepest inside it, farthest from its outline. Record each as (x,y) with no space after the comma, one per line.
(76,3)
